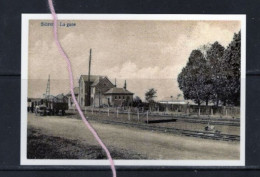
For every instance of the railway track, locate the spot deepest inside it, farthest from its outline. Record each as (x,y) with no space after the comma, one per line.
(212,122)
(190,133)
(190,119)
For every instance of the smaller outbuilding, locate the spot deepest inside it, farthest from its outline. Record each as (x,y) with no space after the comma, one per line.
(118,97)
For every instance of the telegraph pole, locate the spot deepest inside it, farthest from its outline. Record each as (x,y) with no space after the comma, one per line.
(48,87)
(89,88)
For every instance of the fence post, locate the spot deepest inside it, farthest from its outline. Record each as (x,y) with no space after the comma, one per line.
(147,117)
(199,111)
(108,112)
(226,111)
(129,114)
(138,115)
(211,111)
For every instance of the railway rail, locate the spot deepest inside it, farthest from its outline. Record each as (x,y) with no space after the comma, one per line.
(191,133)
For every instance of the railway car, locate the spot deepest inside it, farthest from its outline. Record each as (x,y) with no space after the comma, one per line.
(50,105)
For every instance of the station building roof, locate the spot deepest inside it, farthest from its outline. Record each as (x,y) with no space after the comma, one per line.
(118,91)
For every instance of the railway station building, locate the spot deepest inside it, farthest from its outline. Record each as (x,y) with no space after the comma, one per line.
(102,92)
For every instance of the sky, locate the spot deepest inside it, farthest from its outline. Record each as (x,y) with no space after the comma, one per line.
(147,54)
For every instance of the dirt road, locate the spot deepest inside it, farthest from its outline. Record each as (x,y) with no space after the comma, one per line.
(153,145)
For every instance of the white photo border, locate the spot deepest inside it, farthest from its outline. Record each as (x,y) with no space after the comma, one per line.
(24,90)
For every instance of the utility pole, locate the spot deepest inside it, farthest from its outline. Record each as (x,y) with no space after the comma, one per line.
(48,87)
(89,88)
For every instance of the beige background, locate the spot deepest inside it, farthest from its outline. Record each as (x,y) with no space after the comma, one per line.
(148,54)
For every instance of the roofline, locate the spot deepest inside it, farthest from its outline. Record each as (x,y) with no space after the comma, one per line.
(109,80)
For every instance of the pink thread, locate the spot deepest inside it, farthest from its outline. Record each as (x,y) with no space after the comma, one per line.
(72,91)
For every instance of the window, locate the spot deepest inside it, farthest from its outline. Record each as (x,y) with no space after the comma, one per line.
(119,97)
(115,97)
(123,97)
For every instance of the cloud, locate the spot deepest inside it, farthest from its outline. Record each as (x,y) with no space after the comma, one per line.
(131,71)
(133,50)
(204,33)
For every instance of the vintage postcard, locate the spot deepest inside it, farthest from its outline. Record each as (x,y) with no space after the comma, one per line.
(160,90)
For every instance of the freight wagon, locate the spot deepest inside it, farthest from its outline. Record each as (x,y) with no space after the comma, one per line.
(50,105)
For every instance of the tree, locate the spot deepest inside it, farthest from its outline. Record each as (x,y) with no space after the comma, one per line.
(137,102)
(212,73)
(215,65)
(150,95)
(193,78)
(204,48)
(231,70)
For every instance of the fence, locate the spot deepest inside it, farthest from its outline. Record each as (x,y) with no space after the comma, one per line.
(141,117)
(189,110)
(131,114)
(221,111)
(233,112)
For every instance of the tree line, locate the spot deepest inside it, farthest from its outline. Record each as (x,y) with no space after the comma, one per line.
(212,74)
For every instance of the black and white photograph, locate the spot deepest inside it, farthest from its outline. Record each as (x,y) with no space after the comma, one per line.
(158,89)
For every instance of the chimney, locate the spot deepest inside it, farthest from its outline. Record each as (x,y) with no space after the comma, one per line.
(125,85)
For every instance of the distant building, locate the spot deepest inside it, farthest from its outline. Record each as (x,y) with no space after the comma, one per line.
(170,100)
(102,92)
